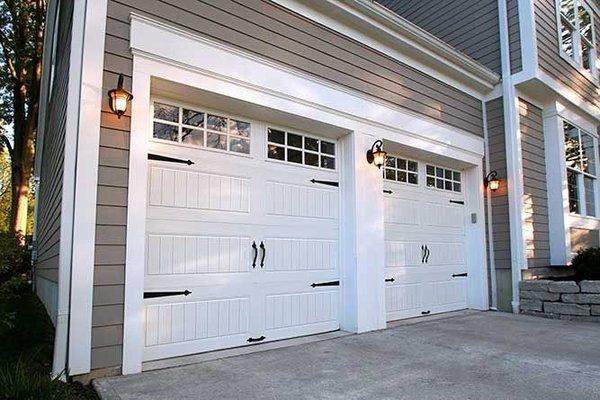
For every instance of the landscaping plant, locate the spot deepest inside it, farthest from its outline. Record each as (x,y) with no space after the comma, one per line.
(587,264)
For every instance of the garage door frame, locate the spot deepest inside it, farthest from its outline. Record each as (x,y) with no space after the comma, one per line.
(210,66)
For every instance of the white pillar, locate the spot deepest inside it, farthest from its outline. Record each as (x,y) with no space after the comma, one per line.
(362,237)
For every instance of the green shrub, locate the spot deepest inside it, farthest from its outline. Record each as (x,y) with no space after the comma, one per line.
(10,294)
(14,260)
(587,264)
(20,381)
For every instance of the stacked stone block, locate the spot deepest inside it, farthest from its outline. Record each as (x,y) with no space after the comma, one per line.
(561,299)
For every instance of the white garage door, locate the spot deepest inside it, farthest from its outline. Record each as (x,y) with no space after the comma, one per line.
(424,239)
(242,245)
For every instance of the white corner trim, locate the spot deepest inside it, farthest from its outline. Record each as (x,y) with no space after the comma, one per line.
(91,21)
(569,95)
(151,39)
(528,36)
(452,66)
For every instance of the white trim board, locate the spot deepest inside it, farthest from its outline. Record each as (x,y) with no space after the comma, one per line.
(234,74)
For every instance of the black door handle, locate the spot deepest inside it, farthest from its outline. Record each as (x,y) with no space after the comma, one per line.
(262,260)
(255,254)
(422,254)
(258,339)
(427,253)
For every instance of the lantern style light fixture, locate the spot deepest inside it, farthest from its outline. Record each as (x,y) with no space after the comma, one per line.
(492,181)
(119,98)
(375,155)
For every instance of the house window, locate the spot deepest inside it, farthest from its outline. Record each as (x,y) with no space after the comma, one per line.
(580,157)
(401,170)
(300,149)
(200,128)
(577,36)
(443,178)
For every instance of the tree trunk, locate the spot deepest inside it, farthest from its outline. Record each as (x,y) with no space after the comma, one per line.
(20,199)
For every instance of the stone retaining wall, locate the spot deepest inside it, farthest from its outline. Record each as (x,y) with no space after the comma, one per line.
(561,299)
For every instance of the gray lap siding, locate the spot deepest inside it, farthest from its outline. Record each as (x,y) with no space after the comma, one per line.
(270,31)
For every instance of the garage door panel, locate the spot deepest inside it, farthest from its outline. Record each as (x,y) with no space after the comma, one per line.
(301,254)
(401,297)
(178,254)
(443,216)
(446,253)
(401,211)
(402,254)
(292,200)
(444,293)
(198,190)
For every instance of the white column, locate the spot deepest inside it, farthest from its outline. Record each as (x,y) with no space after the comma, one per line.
(362,238)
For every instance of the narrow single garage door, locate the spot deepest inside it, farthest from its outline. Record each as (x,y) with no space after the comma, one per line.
(424,239)
(242,245)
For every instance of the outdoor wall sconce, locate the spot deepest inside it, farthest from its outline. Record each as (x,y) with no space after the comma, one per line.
(119,98)
(491,181)
(375,155)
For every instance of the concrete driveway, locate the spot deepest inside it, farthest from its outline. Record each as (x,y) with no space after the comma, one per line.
(467,356)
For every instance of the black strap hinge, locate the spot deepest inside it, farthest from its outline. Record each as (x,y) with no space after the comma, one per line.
(457,275)
(390,280)
(152,295)
(457,202)
(329,183)
(258,339)
(425,312)
(332,283)
(386,191)
(158,157)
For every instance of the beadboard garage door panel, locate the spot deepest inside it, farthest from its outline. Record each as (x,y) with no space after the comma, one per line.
(202,223)
(416,216)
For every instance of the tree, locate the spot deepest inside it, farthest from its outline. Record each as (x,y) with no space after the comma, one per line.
(21,40)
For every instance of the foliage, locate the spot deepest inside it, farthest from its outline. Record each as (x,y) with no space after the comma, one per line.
(5,191)
(20,382)
(587,264)
(14,259)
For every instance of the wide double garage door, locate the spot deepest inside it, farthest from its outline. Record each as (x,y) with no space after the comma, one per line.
(242,245)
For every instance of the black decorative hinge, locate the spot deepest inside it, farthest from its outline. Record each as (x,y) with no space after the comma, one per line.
(258,339)
(332,283)
(151,295)
(425,312)
(457,202)
(158,157)
(390,280)
(329,183)
(387,191)
(456,275)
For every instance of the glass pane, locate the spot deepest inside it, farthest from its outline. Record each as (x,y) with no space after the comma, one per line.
(166,112)
(588,154)
(239,145)
(430,181)
(311,144)
(216,141)
(571,145)
(276,152)
(456,176)
(430,170)
(401,176)
(294,156)
(390,174)
(585,23)
(311,159)
(191,117)
(447,174)
(327,162)
(239,128)
(390,161)
(412,166)
(327,147)
(412,178)
(448,185)
(567,9)
(439,172)
(192,136)
(439,183)
(566,35)
(276,136)
(456,187)
(586,55)
(216,123)
(165,132)
(294,140)
(573,191)
(590,201)
(401,163)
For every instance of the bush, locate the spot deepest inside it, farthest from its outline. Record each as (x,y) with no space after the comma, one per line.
(14,259)
(587,264)
(20,382)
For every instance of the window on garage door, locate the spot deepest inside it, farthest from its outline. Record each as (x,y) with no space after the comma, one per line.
(296,148)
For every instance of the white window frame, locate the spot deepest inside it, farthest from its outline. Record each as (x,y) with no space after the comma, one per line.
(303,150)
(181,126)
(461,182)
(417,172)
(583,212)
(577,59)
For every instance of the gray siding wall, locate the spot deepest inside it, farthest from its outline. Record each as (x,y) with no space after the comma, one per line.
(535,194)
(470,26)
(51,174)
(271,31)
(514,36)
(584,238)
(549,58)
(499,202)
